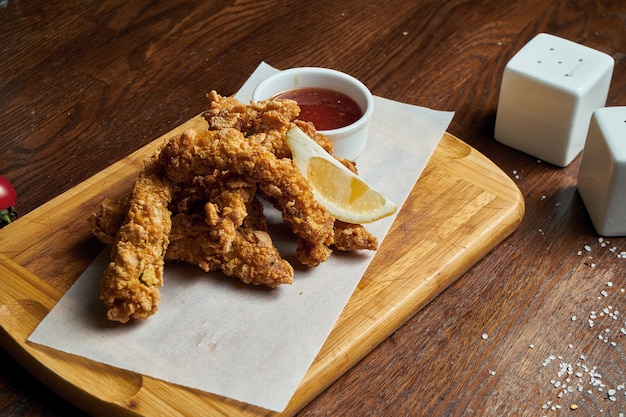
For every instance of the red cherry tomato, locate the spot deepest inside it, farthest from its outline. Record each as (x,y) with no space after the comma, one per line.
(8,198)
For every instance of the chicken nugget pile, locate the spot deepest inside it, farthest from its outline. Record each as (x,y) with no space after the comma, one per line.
(197,201)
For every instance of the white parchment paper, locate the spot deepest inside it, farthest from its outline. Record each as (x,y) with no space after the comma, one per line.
(247,343)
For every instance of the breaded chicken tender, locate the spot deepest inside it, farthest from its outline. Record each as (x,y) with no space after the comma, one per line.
(264,122)
(223,200)
(351,237)
(106,222)
(189,155)
(196,202)
(252,256)
(130,285)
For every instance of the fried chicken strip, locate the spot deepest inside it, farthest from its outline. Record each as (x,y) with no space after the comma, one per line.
(347,237)
(130,285)
(106,222)
(252,257)
(312,253)
(351,237)
(223,198)
(265,122)
(190,154)
(195,202)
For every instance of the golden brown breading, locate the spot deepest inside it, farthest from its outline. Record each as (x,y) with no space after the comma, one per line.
(265,122)
(351,237)
(108,219)
(130,285)
(252,257)
(225,112)
(190,154)
(312,253)
(309,129)
(346,237)
(222,198)
(195,202)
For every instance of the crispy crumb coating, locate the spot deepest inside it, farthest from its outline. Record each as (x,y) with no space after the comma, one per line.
(252,256)
(196,202)
(264,122)
(130,285)
(190,154)
(108,219)
(222,198)
(351,237)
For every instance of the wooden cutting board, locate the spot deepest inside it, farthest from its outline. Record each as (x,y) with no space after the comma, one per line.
(462,207)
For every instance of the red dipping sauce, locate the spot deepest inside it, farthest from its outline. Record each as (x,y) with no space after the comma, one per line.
(326,109)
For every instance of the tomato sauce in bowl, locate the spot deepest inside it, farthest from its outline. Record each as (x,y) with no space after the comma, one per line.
(327,109)
(339,105)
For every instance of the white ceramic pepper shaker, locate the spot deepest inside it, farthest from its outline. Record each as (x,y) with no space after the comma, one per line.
(549,90)
(602,173)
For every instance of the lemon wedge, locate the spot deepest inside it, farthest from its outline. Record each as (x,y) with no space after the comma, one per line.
(342,192)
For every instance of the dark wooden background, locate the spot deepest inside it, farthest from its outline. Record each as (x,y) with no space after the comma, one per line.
(84,83)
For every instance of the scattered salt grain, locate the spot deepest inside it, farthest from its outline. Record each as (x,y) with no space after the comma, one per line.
(579,377)
(485,336)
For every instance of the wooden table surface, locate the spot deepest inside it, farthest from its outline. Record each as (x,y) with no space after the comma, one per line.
(535,328)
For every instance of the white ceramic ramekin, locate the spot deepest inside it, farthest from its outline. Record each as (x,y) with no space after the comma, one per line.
(349,141)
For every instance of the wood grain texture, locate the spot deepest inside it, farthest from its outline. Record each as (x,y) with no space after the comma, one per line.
(84,84)
(465,203)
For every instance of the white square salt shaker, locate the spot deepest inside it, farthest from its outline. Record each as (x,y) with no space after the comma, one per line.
(602,173)
(549,90)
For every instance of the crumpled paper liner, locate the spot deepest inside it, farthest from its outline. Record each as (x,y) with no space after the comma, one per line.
(247,343)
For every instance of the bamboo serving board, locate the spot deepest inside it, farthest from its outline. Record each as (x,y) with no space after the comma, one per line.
(462,207)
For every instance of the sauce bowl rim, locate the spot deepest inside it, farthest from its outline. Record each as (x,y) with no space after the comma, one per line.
(369,99)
